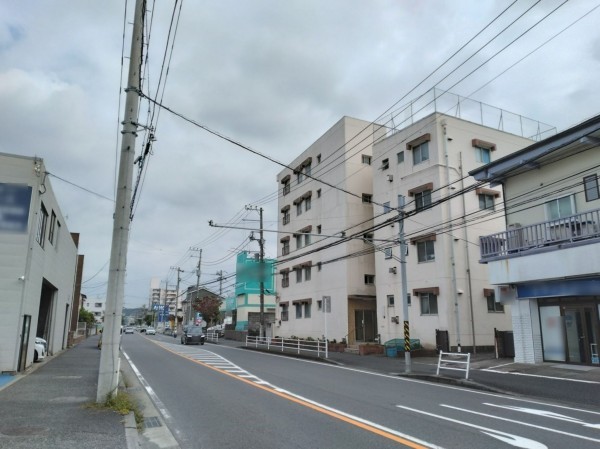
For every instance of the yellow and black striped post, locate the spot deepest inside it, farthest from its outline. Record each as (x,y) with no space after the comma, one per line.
(406,337)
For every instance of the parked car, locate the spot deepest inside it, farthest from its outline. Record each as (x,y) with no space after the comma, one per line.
(40,349)
(193,335)
(168,331)
(129,330)
(150,331)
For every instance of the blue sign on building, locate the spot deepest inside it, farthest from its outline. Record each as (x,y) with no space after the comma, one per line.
(14,207)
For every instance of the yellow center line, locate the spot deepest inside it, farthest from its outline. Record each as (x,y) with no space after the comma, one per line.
(296,400)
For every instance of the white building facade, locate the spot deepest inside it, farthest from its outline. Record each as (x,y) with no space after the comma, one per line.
(38,259)
(449,294)
(97,306)
(546,264)
(321,244)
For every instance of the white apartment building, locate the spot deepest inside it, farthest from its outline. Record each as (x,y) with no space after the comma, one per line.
(546,264)
(38,259)
(450,299)
(161,298)
(96,306)
(332,214)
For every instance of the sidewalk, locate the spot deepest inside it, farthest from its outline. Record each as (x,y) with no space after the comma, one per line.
(47,407)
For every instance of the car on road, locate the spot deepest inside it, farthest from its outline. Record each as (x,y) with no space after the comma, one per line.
(150,331)
(193,335)
(40,349)
(129,330)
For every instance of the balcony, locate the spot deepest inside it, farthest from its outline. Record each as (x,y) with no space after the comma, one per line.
(545,236)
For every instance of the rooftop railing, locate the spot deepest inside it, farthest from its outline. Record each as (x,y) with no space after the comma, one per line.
(519,239)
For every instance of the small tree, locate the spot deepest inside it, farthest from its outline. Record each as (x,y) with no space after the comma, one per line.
(86,317)
(208,306)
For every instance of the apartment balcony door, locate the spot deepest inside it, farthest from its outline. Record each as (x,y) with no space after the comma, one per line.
(366,325)
(581,331)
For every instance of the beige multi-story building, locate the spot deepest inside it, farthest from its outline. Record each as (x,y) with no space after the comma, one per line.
(162,299)
(426,166)
(546,264)
(317,255)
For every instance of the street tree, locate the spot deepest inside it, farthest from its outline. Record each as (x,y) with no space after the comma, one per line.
(209,307)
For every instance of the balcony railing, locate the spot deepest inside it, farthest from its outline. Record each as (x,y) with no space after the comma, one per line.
(518,239)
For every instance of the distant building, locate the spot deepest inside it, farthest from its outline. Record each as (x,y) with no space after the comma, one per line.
(546,263)
(38,260)
(162,301)
(247,292)
(96,306)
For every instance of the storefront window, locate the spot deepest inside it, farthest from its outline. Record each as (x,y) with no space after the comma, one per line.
(552,333)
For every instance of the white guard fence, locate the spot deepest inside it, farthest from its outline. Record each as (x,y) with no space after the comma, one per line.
(456,361)
(317,347)
(212,336)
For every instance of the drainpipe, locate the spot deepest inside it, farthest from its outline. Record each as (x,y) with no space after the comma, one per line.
(466,238)
(450,228)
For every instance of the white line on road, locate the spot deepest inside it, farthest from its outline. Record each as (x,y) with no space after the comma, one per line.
(521,422)
(490,370)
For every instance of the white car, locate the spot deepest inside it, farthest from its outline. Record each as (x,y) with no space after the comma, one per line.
(40,349)
(150,331)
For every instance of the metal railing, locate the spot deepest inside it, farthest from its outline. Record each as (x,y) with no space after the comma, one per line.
(454,361)
(546,234)
(290,345)
(212,337)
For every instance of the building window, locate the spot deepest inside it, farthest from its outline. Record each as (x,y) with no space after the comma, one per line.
(307,203)
(483,155)
(400,156)
(97,304)
(42,222)
(408,298)
(52,228)
(492,305)
(319,305)
(57,234)
(390,300)
(299,208)
(318,193)
(388,253)
(369,279)
(318,229)
(366,159)
(306,310)
(286,187)
(285,312)
(285,279)
(386,207)
(319,266)
(422,199)
(428,304)
(420,153)
(298,275)
(367,198)
(560,207)
(425,251)
(298,310)
(307,170)
(285,249)
(592,192)
(298,241)
(385,164)
(286,216)
(299,177)
(318,158)
(306,239)
(307,273)
(486,202)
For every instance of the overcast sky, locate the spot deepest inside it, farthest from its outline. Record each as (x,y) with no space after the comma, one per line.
(273,75)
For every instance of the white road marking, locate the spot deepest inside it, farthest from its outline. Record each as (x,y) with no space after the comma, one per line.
(514,440)
(490,370)
(545,414)
(521,422)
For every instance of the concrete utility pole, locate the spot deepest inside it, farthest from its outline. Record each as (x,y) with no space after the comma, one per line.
(220,277)
(108,374)
(261,244)
(402,238)
(196,295)
(179,270)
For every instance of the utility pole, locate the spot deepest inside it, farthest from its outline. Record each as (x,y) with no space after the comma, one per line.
(402,238)
(179,270)
(261,244)
(220,277)
(196,295)
(108,373)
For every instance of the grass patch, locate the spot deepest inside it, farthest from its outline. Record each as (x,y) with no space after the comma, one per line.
(123,404)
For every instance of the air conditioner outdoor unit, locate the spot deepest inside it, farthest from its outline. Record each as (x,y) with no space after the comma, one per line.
(393,270)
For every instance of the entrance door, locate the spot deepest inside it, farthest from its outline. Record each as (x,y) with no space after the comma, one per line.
(366,325)
(580,334)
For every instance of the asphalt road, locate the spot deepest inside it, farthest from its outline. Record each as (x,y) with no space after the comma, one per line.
(222,397)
